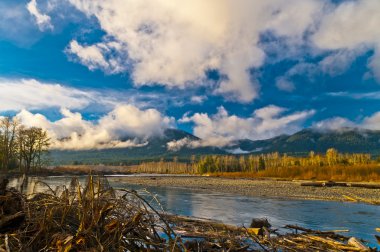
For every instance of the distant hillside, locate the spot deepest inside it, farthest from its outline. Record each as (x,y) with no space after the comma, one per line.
(348,140)
(345,140)
(154,150)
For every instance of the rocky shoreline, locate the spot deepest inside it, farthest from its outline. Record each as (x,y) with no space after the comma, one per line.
(260,188)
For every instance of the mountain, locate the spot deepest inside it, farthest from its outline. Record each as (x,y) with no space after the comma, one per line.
(154,150)
(348,140)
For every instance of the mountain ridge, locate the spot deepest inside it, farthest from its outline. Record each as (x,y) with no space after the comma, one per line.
(347,140)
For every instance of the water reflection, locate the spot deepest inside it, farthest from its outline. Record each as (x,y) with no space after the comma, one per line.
(360,219)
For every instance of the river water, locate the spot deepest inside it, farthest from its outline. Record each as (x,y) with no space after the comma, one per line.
(360,219)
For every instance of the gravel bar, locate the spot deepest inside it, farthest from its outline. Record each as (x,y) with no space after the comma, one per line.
(259,188)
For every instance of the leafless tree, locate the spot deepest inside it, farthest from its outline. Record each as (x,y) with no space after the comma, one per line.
(8,141)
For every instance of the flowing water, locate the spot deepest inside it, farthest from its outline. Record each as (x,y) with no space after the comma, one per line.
(360,219)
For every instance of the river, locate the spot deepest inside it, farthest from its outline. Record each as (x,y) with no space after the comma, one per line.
(360,219)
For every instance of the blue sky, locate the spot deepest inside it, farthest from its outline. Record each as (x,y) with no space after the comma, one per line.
(222,70)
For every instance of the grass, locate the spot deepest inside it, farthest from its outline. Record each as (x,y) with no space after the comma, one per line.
(92,218)
(356,173)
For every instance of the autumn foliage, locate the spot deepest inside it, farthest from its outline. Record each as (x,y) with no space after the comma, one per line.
(331,165)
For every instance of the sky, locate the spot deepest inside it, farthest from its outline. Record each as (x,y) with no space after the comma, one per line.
(94,71)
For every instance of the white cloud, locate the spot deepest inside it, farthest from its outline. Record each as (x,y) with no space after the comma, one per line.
(238,151)
(91,56)
(32,94)
(338,62)
(198,99)
(334,64)
(176,145)
(94,56)
(335,123)
(73,132)
(371,122)
(43,21)
(357,96)
(16,25)
(180,40)
(350,26)
(284,84)
(220,129)
(17,94)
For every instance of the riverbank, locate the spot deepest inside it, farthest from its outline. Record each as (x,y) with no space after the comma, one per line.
(92,216)
(259,187)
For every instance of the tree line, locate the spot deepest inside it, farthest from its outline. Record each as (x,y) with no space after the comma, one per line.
(256,163)
(21,147)
(253,163)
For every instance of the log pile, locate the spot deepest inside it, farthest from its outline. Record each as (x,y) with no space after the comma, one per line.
(210,235)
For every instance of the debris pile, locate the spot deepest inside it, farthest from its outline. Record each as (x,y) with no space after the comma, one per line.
(95,217)
(208,235)
(12,213)
(92,218)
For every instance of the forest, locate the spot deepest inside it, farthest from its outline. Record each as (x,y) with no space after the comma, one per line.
(331,165)
(22,148)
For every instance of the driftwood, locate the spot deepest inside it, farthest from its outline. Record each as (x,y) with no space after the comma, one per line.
(324,184)
(355,198)
(93,218)
(367,186)
(377,238)
(356,243)
(8,222)
(331,233)
(341,184)
(333,243)
(11,208)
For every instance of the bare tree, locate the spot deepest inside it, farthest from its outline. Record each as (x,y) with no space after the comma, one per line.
(33,143)
(8,137)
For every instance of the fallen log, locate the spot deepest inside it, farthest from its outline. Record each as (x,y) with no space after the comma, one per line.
(349,198)
(377,238)
(357,244)
(333,243)
(8,222)
(332,233)
(341,184)
(367,186)
(314,184)
(354,198)
(324,184)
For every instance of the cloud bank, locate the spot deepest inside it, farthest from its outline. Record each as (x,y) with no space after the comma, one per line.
(351,26)
(180,41)
(220,129)
(73,132)
(371,122)
(177,43)
(32,94)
